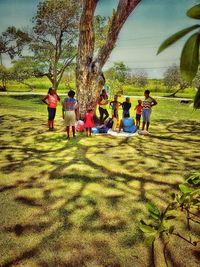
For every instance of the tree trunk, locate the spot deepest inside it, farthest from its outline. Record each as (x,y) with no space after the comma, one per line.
(89,68)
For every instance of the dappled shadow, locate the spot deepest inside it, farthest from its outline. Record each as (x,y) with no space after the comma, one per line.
(94,189)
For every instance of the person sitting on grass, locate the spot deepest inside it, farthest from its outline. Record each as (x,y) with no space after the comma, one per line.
(138,110)
(89,122)
(70,112)
(128,125)
(147,104)
(126,105)
(51,99)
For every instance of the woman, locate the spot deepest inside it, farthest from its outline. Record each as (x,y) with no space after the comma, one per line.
(102,102)
(69,112)
(51,99)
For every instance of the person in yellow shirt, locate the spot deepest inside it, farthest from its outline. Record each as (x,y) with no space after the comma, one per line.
(103,102)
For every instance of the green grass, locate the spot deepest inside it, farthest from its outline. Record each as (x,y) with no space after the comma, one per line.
(42,84)
(79,202)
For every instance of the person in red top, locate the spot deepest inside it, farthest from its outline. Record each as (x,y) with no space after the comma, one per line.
(138,110)
(89,122)
(51,99)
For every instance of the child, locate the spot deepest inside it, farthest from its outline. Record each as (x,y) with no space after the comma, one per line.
(126,105)
(138,110)
(69,112)
(89,122)
(115,105)
(51,99)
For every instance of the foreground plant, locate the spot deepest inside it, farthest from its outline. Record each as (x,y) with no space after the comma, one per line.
(161,224)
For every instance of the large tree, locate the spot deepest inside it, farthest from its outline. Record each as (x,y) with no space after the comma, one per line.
(90,63)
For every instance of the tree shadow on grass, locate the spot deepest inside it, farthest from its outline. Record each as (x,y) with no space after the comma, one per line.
(119,186)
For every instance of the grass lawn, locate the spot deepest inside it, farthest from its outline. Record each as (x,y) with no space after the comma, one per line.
(79,202)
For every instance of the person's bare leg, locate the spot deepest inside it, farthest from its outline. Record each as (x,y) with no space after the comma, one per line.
(73,131)
(147,127)
(143,125)
(120,126)
(137,124)
(49,124)
(90,132)
(67,128)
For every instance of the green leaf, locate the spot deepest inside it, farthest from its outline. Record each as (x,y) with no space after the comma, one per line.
(149,240)
(190,57)
(152,208)
(194,12)
(185,189)
(173,195)
(171,229)
(197,100)
(175,37)
(194,179)
(147,229)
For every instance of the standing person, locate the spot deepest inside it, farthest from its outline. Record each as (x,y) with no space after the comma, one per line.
(138,110)
(89,122)
(70,112)
(147,104)
(102,102)
(115,106)
(126,105)
(51,99)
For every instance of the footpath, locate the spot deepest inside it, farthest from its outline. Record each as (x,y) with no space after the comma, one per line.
(62,94)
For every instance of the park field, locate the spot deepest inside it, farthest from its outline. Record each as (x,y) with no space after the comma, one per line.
(79,202)
(41,85)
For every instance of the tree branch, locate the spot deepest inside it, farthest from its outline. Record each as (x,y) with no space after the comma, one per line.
(124,9)
(86,39)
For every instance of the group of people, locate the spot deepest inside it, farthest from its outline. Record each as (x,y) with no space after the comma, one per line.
(70,111)
(143,108)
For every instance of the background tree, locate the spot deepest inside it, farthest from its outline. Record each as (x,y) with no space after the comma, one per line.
(173,79)
(119,71)
(12,42)
(4,77)
(54,37)
(139,78)
(189,61)
(23,69)
(89,63)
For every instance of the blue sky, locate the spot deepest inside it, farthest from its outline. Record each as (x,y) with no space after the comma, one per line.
(149,24)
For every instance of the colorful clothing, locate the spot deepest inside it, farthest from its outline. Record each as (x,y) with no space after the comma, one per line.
(70,118)
(126,107)
(69,104)
(69,107)
(146,103)
(138,109)
(103,103)
(89,121)
(146,115)
(52,100)
(51,113)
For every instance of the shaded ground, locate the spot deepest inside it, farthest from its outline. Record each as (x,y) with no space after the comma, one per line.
(79,202)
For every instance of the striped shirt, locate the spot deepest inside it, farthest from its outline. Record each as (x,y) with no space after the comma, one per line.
(147,103)
(69,104)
